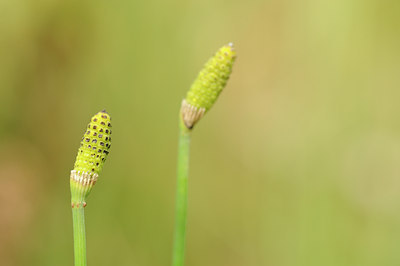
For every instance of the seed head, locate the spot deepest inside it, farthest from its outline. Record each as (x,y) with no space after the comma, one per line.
(95,145)
(92,153)
(208,85)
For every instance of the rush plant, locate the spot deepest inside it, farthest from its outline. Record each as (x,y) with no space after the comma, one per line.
(93,151)
(199,99)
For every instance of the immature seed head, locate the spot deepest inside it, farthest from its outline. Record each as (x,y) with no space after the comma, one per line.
(95,145)
(208,85)
(92,153)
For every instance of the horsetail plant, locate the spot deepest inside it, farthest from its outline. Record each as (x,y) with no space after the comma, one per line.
(92,153)
(200,98)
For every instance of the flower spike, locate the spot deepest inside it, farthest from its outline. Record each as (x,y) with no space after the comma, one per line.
(208,85)
(93,151)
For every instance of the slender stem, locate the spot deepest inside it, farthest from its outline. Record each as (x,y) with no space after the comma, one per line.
(78,217)
(181,196)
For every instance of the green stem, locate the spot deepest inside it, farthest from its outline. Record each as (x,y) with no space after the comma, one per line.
(181,195)
(78,217)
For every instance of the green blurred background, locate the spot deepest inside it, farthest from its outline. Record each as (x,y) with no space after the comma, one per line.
(297,163)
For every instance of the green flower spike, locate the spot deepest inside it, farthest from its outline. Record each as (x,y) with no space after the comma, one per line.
(208,85)
(200,98)
(92,153)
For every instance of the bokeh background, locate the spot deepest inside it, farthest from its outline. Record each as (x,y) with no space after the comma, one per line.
(296,164)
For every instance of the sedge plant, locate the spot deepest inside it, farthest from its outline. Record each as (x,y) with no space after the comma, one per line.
(199,99)
(92,153)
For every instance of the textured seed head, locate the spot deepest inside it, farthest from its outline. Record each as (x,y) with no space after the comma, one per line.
(208,85)
(95,145)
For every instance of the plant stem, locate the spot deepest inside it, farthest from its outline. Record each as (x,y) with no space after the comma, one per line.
(181,195)
(78,216)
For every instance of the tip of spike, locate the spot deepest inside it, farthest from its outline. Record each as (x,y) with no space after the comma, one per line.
(103,111)
(229,50)
(231,46)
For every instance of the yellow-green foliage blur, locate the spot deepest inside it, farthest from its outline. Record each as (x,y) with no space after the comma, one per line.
(298,162)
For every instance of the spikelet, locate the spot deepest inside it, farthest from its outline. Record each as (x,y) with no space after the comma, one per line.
(92,154)
(208,85)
